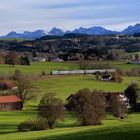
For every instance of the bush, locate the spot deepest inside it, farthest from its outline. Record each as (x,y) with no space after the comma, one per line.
(33,125)
(43,73)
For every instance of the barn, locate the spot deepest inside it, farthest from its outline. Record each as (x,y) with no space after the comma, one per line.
(10,103)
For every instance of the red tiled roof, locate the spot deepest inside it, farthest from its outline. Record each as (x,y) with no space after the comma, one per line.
(9,99)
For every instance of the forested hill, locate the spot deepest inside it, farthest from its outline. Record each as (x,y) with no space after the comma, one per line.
(73,46)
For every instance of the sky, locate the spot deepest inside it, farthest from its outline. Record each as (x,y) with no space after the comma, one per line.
(21,15)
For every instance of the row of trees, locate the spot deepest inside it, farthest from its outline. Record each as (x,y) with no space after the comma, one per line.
(12,58)
(87,65)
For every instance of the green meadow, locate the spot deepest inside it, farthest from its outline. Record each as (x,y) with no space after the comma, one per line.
(38,67)
(66,85)
(133,53)
(111,129)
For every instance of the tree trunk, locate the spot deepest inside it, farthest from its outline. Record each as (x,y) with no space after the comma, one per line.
(51,124)
(21,105)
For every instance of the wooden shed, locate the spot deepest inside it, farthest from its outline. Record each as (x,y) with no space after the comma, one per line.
(9,103)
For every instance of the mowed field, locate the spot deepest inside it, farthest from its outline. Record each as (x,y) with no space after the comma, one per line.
(38,67)
(63,86)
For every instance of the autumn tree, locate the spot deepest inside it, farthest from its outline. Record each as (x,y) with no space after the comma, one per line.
(89,107)
(117,77)
(2,59)
(51,108)
(119,106)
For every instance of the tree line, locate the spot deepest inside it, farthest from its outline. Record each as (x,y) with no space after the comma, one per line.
(13,58)
(78,47)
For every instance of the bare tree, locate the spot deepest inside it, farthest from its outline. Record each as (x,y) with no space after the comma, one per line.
(26,89)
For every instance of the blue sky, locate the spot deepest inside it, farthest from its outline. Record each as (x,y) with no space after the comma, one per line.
(20,15)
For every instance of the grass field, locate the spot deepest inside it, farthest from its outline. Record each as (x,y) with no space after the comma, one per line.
(66,85)
(38,67)
(133,53)
(111,129)
(63,86)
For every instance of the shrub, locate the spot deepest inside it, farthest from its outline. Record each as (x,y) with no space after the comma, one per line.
(43,73)
(33,125)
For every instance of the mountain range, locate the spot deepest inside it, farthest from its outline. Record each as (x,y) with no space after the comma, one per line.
(96,30)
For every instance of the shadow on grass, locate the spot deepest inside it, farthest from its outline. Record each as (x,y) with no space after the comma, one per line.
(18,113)
(116,133)
(7,129)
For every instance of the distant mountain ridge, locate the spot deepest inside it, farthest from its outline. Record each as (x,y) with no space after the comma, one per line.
(26,34)
(96,30)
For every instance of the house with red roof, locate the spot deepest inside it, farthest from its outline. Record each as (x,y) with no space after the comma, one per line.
(9,103)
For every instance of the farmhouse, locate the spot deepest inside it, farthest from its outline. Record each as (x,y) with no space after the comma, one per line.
(6,85)
(107,95)
(106,77)
(9,103)
(57,60)
(39,59)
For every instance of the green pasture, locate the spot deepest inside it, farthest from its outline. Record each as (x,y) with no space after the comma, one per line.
(111,129)
(38,67)
(133,53)
(63,86)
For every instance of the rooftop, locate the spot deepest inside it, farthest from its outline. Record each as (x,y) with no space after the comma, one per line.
(9,99)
